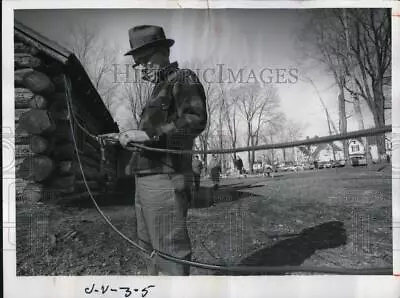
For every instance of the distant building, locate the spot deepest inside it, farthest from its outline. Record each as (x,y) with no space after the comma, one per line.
(327,152)
(357,152)
(357,148)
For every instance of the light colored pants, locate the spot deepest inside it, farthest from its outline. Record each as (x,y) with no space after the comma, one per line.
(161,203)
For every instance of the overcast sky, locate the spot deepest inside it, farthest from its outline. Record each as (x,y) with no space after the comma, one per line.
(248,39)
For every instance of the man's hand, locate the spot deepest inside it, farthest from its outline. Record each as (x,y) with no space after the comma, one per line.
(110,137)
(137,136)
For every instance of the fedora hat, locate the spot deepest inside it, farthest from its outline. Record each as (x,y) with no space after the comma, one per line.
(147,35)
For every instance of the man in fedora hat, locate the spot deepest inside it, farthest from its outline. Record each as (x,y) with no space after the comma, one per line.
(173,116)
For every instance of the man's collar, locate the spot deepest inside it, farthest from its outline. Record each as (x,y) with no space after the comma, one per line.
(168,70)
(165,72)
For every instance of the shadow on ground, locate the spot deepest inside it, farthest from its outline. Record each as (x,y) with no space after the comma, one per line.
(294,251)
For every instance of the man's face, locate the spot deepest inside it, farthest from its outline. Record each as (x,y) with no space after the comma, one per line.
(152,60)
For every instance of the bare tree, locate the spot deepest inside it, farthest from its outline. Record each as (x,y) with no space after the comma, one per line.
(331,125)
(258,106)
(204,138)
(231,120)
(368,41)
(321,35)
(212,92)
(355,45)
(96,56)
(136,93)
(293,131)
(271,133)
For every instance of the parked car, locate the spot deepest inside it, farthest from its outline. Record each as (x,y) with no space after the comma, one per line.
(358,161)
(288,166)
(338,163)
(262,168)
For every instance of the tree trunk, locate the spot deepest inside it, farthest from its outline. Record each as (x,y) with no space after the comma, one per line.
(205,158)
(249,154)
(360,122)
(379,116)
(253,155)
(343,122)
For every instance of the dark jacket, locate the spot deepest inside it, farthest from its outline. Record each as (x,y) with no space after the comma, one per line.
(215,165)
(174,115)
(239,164)
(197,166)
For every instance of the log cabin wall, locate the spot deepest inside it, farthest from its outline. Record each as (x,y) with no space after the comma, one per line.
(47,165)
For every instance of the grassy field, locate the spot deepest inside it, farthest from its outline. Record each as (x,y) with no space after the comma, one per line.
(333,217)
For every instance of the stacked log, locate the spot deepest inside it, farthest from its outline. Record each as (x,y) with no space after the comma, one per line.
(47,165)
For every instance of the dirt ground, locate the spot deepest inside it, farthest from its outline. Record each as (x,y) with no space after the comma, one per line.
(333,217)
